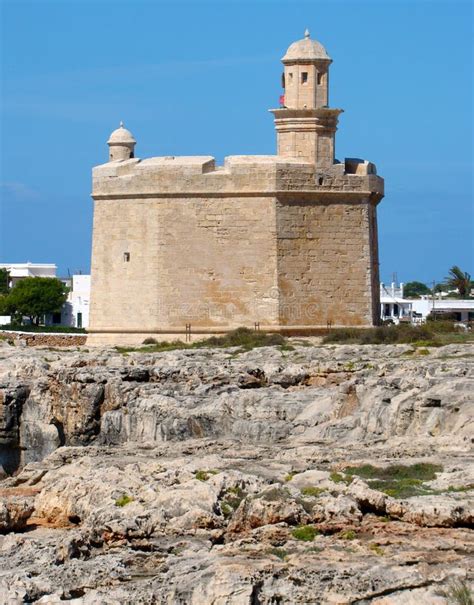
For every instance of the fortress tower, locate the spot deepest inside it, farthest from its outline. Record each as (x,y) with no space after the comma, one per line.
(306,127)
(288,242)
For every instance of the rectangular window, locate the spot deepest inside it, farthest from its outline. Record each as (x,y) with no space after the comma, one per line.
(56,318)
(79,320)
(290,75)
(304,77)
(126,257)
(320,78)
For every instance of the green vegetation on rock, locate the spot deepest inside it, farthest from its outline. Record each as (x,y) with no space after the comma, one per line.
(434,333)
(313,492)
(123,500)
(306,533)
(398,480)
(241,337)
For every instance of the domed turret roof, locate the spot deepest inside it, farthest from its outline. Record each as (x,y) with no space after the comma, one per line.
(306,50)
(121,135)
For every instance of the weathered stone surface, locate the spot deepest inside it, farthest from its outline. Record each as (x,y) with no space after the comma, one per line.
(169,481)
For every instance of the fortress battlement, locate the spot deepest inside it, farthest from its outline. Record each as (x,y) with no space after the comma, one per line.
(198,175)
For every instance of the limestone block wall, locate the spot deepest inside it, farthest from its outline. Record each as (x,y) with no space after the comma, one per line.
(326,267)
(204,261)
(265,239)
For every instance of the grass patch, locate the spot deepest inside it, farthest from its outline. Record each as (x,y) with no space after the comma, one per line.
(431,334)
(375,548)
(204,475)
(226,510)
(123,500)
(348,535)
(289,477)
(338,478)
(422,352)
(458,593)
(275,494)
(398,480)
(306,533)
(466,488)
(281,553)
(313,492)
(241,337)
(400,334)
(231,500)
(422,470)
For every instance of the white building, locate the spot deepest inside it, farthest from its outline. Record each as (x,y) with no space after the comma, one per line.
(463,310)
(75,311)
(394,307)
(18,271)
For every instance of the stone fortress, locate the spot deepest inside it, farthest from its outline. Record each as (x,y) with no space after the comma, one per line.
(183,248)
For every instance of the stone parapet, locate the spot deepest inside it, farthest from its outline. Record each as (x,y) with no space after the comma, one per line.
(240,176)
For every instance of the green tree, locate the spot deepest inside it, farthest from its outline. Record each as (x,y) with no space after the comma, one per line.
(459,281)
(414,289)
(4,281)
(33,297)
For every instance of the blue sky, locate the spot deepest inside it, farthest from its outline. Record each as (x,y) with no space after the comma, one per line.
(198,77)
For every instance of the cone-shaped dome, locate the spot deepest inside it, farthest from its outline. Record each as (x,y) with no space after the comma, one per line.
(306,50)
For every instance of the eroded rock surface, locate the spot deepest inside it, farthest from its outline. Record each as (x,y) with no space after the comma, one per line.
(220,477)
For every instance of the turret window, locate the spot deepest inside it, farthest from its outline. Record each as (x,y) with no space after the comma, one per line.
(126,257)
(304,77)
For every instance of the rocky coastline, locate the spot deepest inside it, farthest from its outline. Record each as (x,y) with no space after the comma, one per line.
(282,475)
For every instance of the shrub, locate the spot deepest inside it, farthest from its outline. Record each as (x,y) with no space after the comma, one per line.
(241,337)
(338,478)
(313,492)
(232,499)
(204,475)
(376,549)
(400,334)
(306,533)
(281,553)
(275,494)
(458,593)
(348,535)
(398,480)
(123,500)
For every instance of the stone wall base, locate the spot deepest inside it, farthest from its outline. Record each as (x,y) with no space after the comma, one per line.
(116,338)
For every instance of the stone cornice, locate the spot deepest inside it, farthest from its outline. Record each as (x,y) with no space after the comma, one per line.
(238,194)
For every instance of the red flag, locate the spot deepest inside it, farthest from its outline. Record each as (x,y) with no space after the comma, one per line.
(282,100)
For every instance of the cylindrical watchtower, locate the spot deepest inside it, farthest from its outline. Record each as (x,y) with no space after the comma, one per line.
(121,144)
(305,125)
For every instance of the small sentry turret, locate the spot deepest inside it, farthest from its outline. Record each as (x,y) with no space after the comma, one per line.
(121,144)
